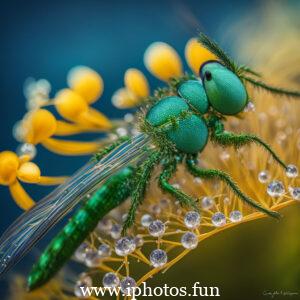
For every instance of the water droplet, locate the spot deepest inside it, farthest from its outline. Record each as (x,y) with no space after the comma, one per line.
(105,225)
(110,280)
(116,231)
(26,149)
(92,258)
(263,176)
(207,203)
(249,107)
(189,240)
(19,131)
(121,131)
(104,250)
(176,185)
(295,192)
(129,118)
(81,251)
(84,282)
(146,220)
(218,219)
(224,155)
(124,246)
(127,284)
(156,228)
(158,258)
(291,171)
(275,188)
(197,180)
(235,216)
(192,219)
(156,209)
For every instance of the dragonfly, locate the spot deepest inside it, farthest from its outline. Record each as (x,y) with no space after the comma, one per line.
(175,126)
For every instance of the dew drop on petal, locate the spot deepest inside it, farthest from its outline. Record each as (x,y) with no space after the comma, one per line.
(192,219)
(84,281)
(249,107)
(124,246)
(146,220)
(127,284)
(263,176)
(116,231)
(189,240)
(235,216)
(110,280)
(157,228)
(295,192)
(218,219)
(26,149)
(207,202)
(104,250)
(92,258)
(291,171)
(158,258)
(81,252)
(275,188)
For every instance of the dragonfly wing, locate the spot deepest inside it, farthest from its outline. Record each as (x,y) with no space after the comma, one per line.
(32,225)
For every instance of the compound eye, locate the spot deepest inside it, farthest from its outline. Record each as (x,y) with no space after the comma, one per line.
(208,75)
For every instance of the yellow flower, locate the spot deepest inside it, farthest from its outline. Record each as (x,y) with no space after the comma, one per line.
(162,61)
(196,55)
(86,82)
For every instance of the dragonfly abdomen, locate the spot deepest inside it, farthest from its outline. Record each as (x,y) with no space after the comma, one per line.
(62,247)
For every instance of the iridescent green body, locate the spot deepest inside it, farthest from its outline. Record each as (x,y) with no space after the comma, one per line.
(62,247)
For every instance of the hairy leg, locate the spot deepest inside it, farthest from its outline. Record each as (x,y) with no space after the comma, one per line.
(218,174)
(226,138)
(165,176)
(142,177)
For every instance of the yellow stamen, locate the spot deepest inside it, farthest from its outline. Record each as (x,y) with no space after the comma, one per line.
(123,98)
(29,172)
(162,61)
(70,105)
(71,147)
(64,128)
(49,180)
(40,125)
(22,199)
(86,82)
(136,82)
(196,55)
(96,118)
(9,164)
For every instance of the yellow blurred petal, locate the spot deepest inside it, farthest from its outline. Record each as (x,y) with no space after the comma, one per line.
(96,118)
(136,82)
(196,55)
(29,172)
(22,199)
(162,61)
(123,98)
(40,125)
(49,180)
(71,147)
(9,164)
(70,105)
(64,128)
(86,82)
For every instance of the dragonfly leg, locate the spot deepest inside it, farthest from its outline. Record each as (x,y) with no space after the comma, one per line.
(142,177)
(192,167)
(167,173)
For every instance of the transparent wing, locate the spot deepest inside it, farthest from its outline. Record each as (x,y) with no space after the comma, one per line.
(32,225)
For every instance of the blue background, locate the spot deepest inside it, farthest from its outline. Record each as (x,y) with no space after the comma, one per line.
(44,39)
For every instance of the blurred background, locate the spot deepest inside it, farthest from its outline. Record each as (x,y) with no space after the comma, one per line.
(44,39)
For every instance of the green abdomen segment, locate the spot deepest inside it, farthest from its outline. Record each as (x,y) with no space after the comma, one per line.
(62,247)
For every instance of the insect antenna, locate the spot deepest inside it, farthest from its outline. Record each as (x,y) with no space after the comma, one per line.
(274,90)
(213,47)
